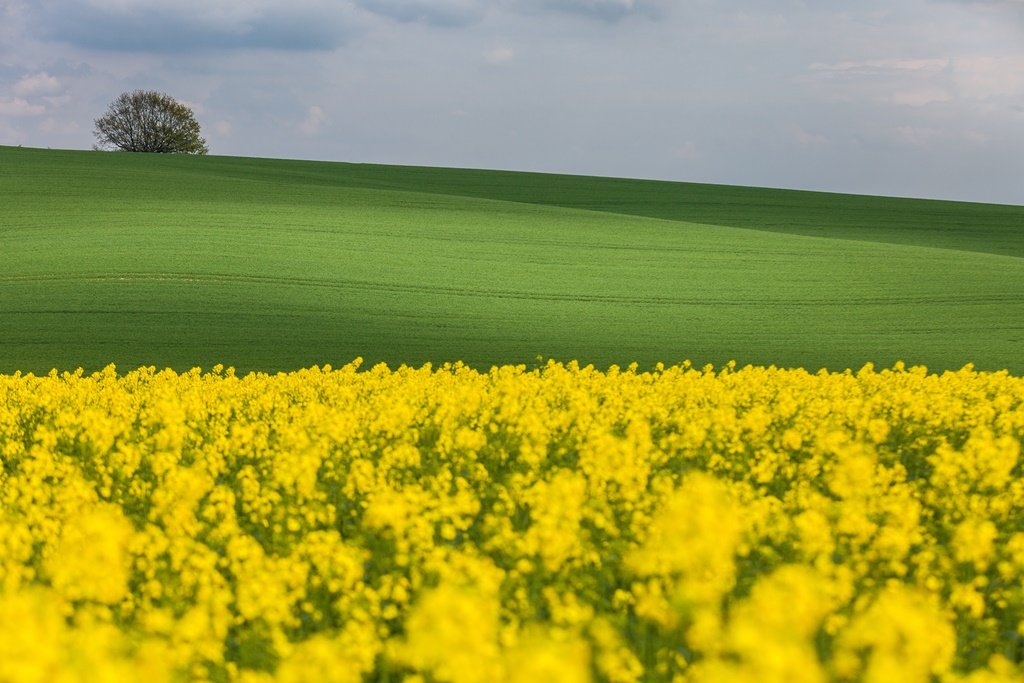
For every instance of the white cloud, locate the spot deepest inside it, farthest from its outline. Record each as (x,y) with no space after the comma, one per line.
(436,12)
(37,84)
(313,121)
(20,107)
(499,55)
(970,79)
(874,67)
(608,10)
(905,82)
(920,136)
(977,137)
(58,101)
(985,76)
(805,138)
(52,125)
(921,97)
(688,151)
(196,107)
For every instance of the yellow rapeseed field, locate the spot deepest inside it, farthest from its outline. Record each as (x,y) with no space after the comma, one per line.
(562,524)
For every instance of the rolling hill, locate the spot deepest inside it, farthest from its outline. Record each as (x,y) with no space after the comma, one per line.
(274,265)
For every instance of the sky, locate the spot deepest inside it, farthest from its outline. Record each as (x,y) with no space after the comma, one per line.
(918,98)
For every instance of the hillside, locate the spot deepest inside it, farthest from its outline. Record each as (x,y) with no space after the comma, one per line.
(274,265)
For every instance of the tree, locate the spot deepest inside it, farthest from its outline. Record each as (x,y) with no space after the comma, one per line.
(148,121)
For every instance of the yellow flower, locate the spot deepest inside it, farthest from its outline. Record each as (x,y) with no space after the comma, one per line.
(548,657)
(974,542)
(694,537)
(91,560)
(452,633)
(560,523)
(903,636)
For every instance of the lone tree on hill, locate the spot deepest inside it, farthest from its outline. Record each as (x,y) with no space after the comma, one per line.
(148,121)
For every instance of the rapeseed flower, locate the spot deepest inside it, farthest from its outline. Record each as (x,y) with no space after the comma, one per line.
(562,523)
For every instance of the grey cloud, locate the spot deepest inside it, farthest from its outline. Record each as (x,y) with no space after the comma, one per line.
(1017,4)
(1013,9)
(606,10)
(434,12)
(9,74)
(169,29)
(465,12)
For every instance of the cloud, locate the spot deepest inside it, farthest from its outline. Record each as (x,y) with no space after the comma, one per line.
(434,12)
(465,12)
(875,67)
(920,136)
(1001,15)
(34,95)
(59,101)
(917,82)
(921,97)
(10,7)
(805,138)
(198,108)
(314,121)
(984,76)
(687,152)
(20,107)
(1006,4)
(222,128)
(606,10)
(37,84)
(904,82)
(150,26)
(52,125)
(499,55)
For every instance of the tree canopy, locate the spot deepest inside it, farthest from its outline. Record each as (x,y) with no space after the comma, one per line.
(149,121)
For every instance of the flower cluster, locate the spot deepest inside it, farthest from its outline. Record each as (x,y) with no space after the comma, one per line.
(559,524)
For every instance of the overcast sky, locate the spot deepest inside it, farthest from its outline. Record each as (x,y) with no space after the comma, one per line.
(897,97)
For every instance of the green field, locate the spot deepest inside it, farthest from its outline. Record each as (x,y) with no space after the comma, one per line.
(274,265)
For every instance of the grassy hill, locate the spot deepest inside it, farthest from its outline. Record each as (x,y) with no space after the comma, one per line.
(274,265)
